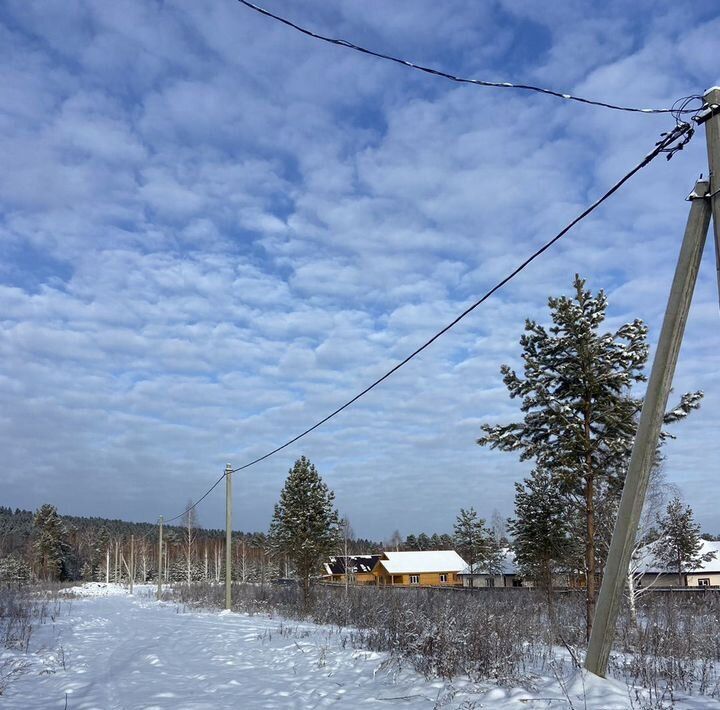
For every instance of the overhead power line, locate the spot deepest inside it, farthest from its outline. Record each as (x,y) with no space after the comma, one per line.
(452,77)
(669,143)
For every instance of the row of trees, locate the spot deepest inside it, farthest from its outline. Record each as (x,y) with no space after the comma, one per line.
(48,546)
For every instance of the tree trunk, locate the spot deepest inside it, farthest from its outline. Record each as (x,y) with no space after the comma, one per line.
(632,596)
(590,554)
(547,574)
(306,591)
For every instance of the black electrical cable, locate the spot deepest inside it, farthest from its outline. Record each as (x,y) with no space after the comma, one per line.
(452,77)
(198,501)
(679,134)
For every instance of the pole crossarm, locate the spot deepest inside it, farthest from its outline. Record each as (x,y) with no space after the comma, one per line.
(646,439)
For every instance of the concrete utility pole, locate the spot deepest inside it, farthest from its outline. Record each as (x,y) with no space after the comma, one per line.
(648,432)
(160,560)
(705,201)
(712,134)
(228,536)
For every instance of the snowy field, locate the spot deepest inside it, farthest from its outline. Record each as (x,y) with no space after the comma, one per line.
(111,650)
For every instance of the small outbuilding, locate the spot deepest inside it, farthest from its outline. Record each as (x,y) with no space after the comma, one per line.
(651,572)
(506,574)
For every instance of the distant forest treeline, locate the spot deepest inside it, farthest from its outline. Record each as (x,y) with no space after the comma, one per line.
(47,545)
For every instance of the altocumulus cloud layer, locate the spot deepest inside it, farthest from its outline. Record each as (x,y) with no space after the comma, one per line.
(213,230)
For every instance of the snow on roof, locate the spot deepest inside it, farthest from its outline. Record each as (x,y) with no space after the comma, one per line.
(648,563)
(507,565)
(424,561)
(355,564)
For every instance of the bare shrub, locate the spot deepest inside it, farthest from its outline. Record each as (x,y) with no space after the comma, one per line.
(504,634)
(21,609)
(673,647)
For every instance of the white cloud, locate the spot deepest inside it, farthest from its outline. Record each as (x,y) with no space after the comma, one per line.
(215,230)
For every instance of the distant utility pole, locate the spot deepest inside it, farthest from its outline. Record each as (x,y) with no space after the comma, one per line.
(160,560)
(703,200)
(132,562)
(228,536)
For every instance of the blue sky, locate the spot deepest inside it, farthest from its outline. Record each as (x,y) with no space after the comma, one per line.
(214,230)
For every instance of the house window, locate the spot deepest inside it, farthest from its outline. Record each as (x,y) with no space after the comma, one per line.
(704,582)
(414,579)
(443,578)
(490,582)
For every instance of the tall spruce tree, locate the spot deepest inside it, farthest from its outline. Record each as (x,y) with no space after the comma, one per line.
(476,544)
(49,544)
(305,526)
(680,545)
(579,416)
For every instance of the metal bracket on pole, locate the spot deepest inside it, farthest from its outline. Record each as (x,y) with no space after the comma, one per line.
(648,432)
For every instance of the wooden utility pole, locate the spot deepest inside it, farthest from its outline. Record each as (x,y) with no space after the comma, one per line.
(160,560)
(648,432)
(228,536)
(705,200)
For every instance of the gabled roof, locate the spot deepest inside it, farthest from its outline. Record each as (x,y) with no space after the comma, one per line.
(649,564)
(507,565)
(425,561)
(356,564)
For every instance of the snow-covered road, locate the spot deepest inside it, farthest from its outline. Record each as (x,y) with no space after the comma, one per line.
(131,652)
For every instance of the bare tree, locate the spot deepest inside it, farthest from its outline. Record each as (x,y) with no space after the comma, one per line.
(190,523)
(658,494)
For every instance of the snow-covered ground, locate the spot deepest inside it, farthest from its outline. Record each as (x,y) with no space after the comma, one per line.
(110,650)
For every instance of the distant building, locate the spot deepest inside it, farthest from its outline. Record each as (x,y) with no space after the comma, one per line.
(432,568)
(358,569)
(506,576)
(706,574)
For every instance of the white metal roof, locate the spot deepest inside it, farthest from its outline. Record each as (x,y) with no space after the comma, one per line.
(507,565)
(649,563)
(425,561)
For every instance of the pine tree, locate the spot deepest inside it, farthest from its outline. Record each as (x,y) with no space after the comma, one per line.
(305,526)
(475,543)
(423,542)
(14,571)
(579,414)
(542,532)
(49,545)
(410,542)
(680,544)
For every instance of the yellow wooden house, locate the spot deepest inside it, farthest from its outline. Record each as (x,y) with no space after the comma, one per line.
(431,568)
